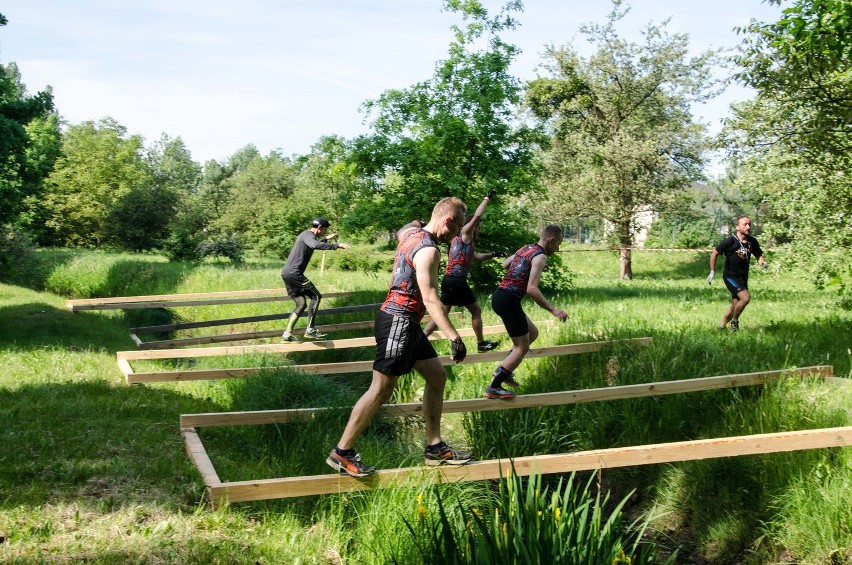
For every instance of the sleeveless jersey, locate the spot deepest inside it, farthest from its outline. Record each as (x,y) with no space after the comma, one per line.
(404,298)
(459,258)
(518,275)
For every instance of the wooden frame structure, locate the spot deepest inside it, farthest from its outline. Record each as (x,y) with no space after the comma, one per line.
(124,357)
(244,336)
(264,489)
(190,299)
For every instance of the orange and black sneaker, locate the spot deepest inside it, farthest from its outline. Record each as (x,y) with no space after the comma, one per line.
(443,453)
(349,464)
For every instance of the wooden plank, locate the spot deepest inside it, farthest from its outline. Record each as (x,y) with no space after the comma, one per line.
(190,299)
(222,338)
(560,398)
(367,366)
(247,319)
(611,458)
(199,456)
(320,345)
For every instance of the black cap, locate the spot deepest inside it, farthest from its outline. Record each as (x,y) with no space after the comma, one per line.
(320,223)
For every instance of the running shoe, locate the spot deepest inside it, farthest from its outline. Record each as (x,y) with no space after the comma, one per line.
(735,325)
(349,464)
(510,380)
(499,392)
(288,337)
(486,345)
(314,333)
(446,454)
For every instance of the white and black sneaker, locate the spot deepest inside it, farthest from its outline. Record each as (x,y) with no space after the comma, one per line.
(313,333)
(288,337)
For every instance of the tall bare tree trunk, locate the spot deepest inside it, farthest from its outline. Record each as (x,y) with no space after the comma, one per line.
(626,271)
(625,240)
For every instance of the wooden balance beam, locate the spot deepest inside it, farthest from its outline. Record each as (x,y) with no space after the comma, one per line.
(248,319)
(132,377)
(240,491)
(190,299)
(223,338)
(561,398)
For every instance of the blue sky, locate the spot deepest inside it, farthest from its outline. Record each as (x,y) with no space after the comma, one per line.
(281,74)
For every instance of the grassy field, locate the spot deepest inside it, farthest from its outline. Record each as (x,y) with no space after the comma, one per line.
(93,470)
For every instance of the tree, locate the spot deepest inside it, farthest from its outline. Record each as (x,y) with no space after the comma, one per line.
(18,178)
(99,165)
(792,144)
(622,136)
(454,134)
(800,67)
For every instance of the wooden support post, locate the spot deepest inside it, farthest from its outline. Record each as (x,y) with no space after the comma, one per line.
(611,458)
(560,398)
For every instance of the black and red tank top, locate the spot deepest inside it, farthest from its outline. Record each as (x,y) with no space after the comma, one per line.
(459,258)
(404,297)
(516,278)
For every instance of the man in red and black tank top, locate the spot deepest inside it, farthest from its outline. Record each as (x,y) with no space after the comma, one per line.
(455,290)
(401,345)
(522,278)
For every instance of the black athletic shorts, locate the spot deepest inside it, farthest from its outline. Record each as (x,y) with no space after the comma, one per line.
(456,292)
(400,343)
(298,284)
(508,306)
(735,285)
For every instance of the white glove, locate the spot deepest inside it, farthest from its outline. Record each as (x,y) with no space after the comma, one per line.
(711,276)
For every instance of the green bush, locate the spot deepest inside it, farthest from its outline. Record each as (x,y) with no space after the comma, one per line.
(19,263)
(228,246)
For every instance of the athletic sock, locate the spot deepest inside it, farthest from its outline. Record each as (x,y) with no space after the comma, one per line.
(344,452)
(499,375)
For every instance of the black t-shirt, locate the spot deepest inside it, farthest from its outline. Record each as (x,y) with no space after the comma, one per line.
(737,255)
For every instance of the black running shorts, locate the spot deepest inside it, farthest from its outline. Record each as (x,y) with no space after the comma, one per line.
(298,284)
(400,343)
(735,285)
(508,307)
(456,292)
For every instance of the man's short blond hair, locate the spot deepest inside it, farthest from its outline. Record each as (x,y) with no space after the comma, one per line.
(449,206)
(552,231)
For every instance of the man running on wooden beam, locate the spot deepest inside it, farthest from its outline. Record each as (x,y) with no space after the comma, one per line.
(522,278)
(455,290)
(401,344)
(299,288)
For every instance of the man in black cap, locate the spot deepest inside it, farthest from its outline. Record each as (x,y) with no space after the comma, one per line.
(298,285)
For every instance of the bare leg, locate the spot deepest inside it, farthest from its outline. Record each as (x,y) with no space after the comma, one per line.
(736,308)
(432,326)
(433,396)
(367,406)
(476,320)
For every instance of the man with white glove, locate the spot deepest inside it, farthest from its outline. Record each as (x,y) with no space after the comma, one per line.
(737,250)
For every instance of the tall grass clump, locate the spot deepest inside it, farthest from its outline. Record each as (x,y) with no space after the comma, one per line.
(527,522)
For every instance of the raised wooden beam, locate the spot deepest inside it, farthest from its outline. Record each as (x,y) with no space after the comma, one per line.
(247,319)
(365,366)
(192,299)
(319,345)
(223,338)
(523,401)
(198,455)
(653,454)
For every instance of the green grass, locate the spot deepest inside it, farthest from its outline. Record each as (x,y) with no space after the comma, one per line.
(94,470)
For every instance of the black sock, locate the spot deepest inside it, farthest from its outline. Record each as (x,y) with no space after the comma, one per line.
(344,452)
(434,447)
(499,376)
